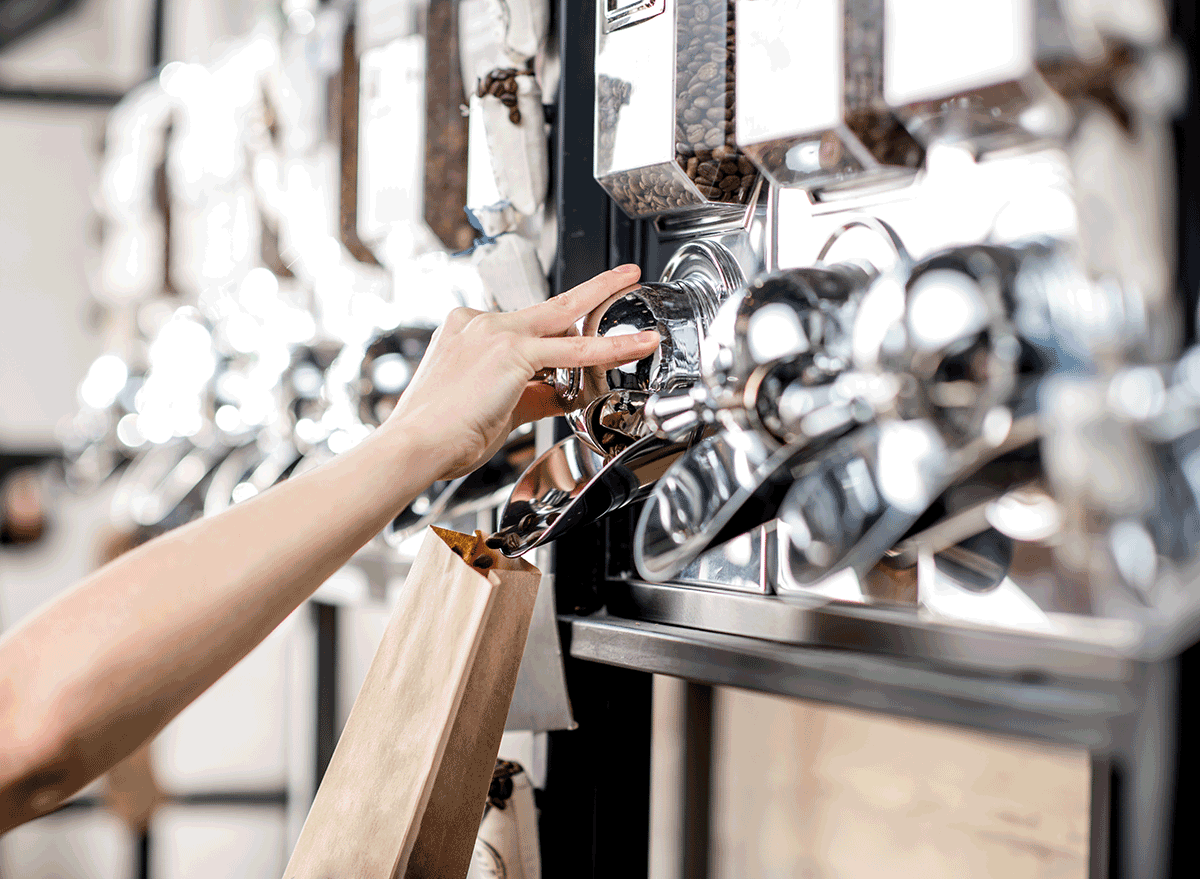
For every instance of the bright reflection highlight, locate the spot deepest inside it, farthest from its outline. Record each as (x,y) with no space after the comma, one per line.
(775,332)
(910,453)
(105,379)
(944,307)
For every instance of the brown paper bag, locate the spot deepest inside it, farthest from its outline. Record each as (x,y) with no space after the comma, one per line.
(405,791)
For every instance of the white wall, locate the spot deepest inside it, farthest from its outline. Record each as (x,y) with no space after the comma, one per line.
(48,163)
(238,736)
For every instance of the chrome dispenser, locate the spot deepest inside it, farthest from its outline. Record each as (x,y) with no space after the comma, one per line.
(614,457)
(665,106)
(775,385)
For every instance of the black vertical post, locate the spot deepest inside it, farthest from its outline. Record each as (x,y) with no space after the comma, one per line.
(1185,850)
(141,865)
(158,28)
(697,779)
(583,207)
(1186,30)
(325,622)
(594,812)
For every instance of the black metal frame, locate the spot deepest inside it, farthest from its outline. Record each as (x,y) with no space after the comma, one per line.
(1135,718)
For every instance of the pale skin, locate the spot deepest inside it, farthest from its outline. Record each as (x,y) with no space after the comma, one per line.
(102,669)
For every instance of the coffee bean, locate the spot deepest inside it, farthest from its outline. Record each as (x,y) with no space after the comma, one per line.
(714,138)
(708,72)
(691,167)
(829,153)
(729,184)
(745,166)
(748,180)
(723,152)
(508,100)
(514,116)
(691,114)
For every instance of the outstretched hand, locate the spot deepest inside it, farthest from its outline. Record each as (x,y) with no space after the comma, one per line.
(475,383)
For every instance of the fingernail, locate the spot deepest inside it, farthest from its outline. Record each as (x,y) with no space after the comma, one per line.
(627,269)
(647,336)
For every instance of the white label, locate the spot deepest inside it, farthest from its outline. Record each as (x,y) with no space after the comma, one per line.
(789,68)
(938,48)
(391,112)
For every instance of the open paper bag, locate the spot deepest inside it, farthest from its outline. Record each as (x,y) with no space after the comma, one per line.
(405,791)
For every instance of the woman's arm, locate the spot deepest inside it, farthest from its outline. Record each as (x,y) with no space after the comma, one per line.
(111,662)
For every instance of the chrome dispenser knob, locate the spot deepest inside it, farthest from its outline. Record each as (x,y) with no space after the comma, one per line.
(609,403)
(675,414)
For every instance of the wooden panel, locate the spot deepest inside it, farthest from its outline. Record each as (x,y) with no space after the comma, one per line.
(808,791)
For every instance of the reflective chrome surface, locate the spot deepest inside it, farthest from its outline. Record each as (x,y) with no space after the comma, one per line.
(571,485)
(697,499)
(775,382)
(664,110)
(680,308)
(388,365)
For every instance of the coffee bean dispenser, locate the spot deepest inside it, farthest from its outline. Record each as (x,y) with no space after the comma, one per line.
(813,114)
(665,108)
(1001,72)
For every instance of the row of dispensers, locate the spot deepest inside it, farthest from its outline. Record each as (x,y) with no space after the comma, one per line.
(695,97)
(922,339)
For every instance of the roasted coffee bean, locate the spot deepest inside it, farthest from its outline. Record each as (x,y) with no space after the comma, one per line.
(514,116)
(706,41)
(508,100)
(611,95)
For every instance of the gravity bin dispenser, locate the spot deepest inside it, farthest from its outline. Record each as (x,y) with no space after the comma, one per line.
(665,108)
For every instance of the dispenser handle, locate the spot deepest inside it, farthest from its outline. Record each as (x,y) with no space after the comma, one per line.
(875,225)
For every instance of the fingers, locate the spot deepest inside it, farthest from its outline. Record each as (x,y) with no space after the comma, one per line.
(559,313)
(606,351)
